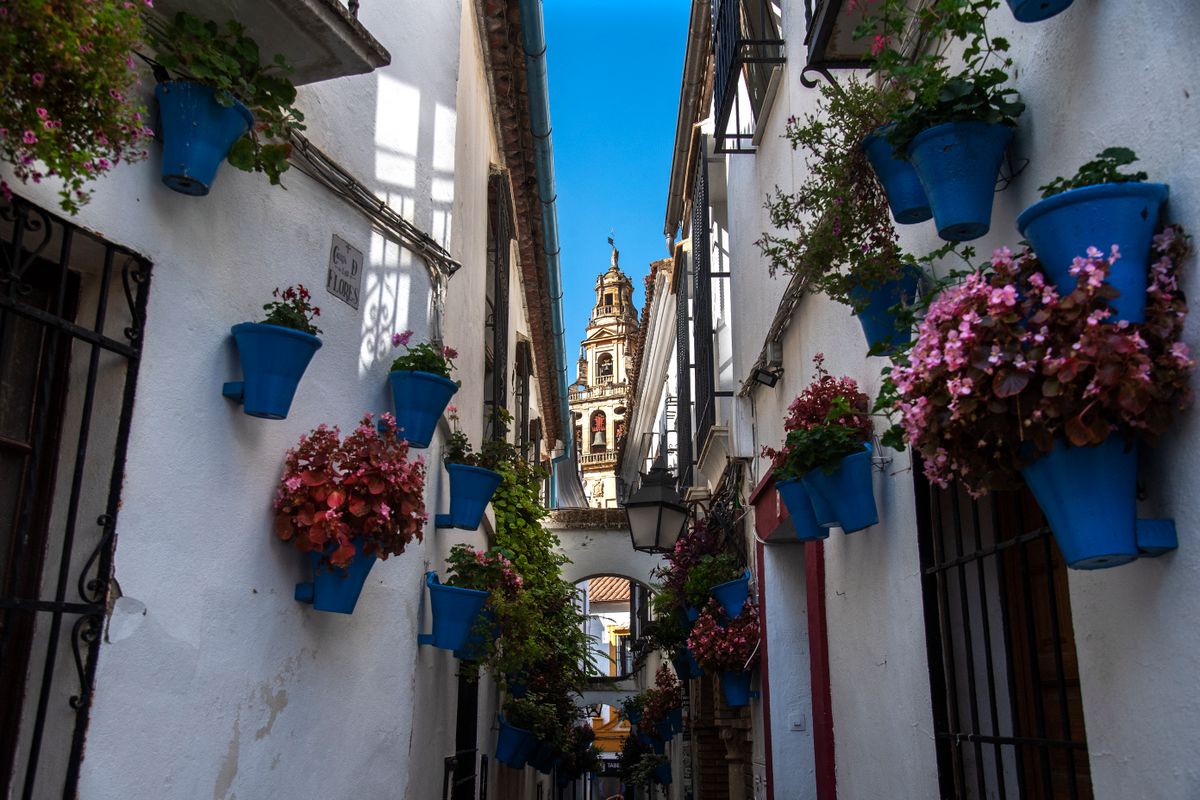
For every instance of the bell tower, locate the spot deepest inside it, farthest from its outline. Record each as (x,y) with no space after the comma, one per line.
(597,398)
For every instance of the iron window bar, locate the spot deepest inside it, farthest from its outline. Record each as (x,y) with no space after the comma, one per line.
(746,38)
(702,325)
(29,237)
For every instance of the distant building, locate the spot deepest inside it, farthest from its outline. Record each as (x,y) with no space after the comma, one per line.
(597,398)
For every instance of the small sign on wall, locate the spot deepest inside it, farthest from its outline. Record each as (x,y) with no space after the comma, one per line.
(344,280)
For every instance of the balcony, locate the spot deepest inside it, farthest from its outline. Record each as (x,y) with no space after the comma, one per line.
(322,39)
(830,38)
(601,392)
(595,460)
(749,49)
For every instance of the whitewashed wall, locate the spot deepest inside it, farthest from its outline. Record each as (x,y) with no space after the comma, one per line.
(213,680)
(1096,76)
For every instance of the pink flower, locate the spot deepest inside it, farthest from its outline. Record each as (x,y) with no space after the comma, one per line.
(399,339)
(43,113)
(29,138)
(449,352)
(38,79)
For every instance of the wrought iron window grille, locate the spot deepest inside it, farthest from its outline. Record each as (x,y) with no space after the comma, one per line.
(748,46)
(72,316)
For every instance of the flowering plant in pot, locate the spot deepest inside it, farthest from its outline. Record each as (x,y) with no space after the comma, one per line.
(421,386)
(1010,378)
(823,469)
(68,92)
(274,353)
(580,755)
(345,503)
(834,231)
(461,620)
(1099,204)
(662,704)
(473,475)
(224,103)
(533,719)
(956,127)
(694,545)
(729,647)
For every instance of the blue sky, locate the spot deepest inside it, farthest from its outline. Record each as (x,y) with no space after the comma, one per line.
(614,72)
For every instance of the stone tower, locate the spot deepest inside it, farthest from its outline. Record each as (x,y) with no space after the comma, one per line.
(597,398)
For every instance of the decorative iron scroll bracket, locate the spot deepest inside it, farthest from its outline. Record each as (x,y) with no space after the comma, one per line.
(812,83)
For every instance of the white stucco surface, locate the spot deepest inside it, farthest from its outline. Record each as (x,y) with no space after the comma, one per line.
(213,681)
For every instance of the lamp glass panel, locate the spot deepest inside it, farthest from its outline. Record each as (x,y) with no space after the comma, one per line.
(643,524)
(671,525)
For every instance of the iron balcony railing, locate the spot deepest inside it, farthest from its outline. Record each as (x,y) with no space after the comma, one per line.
(746,40)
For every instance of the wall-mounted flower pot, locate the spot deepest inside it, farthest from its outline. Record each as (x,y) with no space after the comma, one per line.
(662,773)
(656,744)
(197,134)
(692,612)
(732,595)
(905,195)
(543,758)
(471,489)
(477,639)
(513,744)
(800,510)
(273,362)
(675,717)
(418,399)
(683,667)
(455,612)
(1037,10)
(958,164)
(736,688)
(634,716)
(664,730)
(694,667)
(1062,228)
(879,322)
(333,588)
(847,492)
(1089,497)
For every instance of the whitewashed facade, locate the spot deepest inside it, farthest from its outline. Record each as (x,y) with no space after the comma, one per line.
(854,701)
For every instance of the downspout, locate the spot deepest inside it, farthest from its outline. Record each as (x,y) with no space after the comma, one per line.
(533,35)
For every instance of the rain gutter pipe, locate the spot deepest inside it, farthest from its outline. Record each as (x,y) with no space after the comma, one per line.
(533,35)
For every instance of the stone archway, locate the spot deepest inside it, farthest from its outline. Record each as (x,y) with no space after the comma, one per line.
(597,542)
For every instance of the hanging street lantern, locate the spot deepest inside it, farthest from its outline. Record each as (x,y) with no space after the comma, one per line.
(656,513)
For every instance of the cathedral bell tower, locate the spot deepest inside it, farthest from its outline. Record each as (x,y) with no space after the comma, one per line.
(597,398)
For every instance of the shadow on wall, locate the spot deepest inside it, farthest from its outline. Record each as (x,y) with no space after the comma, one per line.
(414,159)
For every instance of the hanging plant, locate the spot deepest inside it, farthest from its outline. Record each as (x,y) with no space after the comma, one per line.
(224,88)
(68,105)
(835,230)
(275,353)
(1003,365)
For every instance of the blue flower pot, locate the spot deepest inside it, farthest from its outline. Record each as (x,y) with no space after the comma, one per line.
(634,716)
(873,307)
(958,164)
(732,595)
(477,639)
(543,758)
(675,717)
(736,688)
(197,133)
(848,492)
(693,665)
(455,611)
(419,398)
(1089,497)
(664,730)
(692,612)
(333,588)
(905,195)
(800,509)
(273,362)
(471,489)
(1063,227)
(662,773)
(1037,10)
(513,744)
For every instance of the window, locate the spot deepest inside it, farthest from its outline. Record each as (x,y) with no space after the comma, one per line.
(500,234)
(702,325)
(72,310)
(1004,680)
(749,47)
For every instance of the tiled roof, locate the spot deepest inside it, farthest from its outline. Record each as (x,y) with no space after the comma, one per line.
(609,589)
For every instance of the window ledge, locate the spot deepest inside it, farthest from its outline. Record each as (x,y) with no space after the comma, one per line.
(320,38)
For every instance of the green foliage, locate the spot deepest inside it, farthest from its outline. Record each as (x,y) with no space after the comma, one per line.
(292,310)
(1106,168)
(819,448)
(835,230)
(423,357)
(712,570)
(68,92)
(228,60)
(496,448)
(938,96)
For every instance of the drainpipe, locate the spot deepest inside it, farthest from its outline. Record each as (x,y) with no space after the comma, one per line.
(533,35)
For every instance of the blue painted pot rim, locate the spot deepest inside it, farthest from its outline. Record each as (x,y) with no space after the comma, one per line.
(457,467)
(432,376)
(945,128)
(237,106)
(1037,10)
(1100,191)
(276,330)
